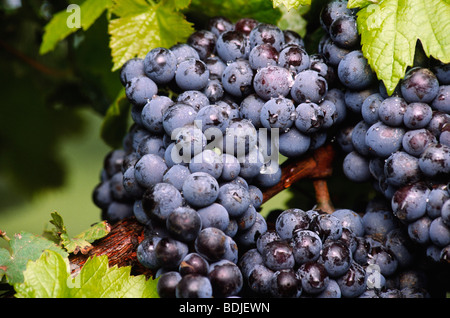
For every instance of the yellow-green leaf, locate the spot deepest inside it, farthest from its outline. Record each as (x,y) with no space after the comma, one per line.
(291,4)
(390,30)
(62,24)
(135,35)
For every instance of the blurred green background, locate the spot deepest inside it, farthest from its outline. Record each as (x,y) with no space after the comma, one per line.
(52,108)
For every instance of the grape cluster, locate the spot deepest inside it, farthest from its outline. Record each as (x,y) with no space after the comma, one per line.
(193,165)
(315,254)
(211,117)
(399,142)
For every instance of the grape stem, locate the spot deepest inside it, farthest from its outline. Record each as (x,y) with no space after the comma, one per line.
(121,243)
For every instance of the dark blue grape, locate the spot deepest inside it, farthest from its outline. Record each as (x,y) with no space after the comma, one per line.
(314,277)
(278,113)
(294,143)
(183,52)
(436,198)
(215,66)
(435,160)
(247,238)
(369,108)
(278,255)
(336,258)
(401,168)
(332,11)
(292,37)
(192,74)
(309,117)
(117,211)
(194,286)
(140,90)
(327,226)
(266,33)
(333,53)
(214,215)
(309,86)
(306,246)
(200,189)
(237,78)
(130,69)
(291,220)
(184,224)
(414,142)
(350,220)
(160,200)
(146,252)
(439,232)
(193,263)
(384,140)
(354,71)
(356,167)
(442,100)
(214,245)
(207,161)
(177,116)
(167,284)
(234,198)
(259,279)
(419,85)
(219,25)
(417,115)
(379,223)
(419,230)
(226,279)
(204,42)
(214,90)
(285,284)
(160,65)
(344,32)
(353,282)
(294,58)
(250,109)
(176,175)
(194,98)
(232,45)
(409,202)
(149,170)
(354,99)
(263,55)
(272,81)
(152,113)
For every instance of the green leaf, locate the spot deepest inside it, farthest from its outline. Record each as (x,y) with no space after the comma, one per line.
(291,4)
(293,20)
(82,241)
(360,3)
(60,27)
(261,10)
(115,123)
(136,34)
(24,247)
(123,8)
(50,277)
(389,33)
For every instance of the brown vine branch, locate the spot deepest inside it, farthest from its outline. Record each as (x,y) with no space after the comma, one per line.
(121,243)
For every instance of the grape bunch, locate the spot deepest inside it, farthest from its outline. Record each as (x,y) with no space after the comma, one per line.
(194,165)
(399,142)
(320,255)
(211,118)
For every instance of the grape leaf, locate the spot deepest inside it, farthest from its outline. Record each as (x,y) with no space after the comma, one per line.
(291,4)
(50,277)
(24,247)
(294,20)
(261,10)
(79,243)
(390,30)
(136,34)
(58,28)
